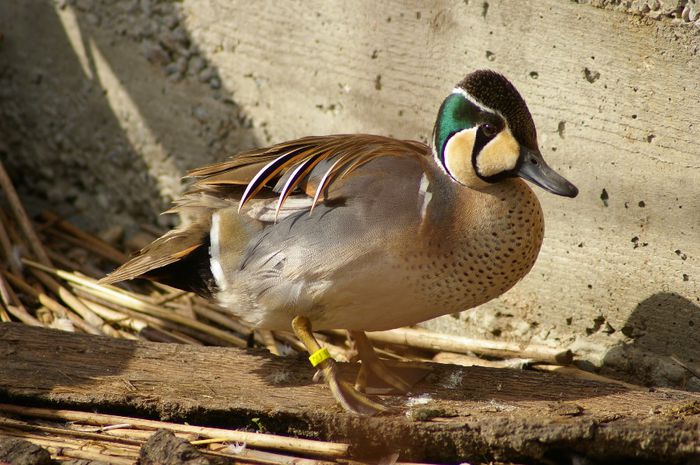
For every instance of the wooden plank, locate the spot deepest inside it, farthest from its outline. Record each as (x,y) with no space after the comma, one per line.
(456,414)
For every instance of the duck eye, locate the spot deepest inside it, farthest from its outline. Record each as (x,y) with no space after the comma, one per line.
(489,130)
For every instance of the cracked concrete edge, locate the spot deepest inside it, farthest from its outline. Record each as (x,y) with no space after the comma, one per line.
(680,12)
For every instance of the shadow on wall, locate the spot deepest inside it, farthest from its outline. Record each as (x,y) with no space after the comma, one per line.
(102,112)
(662,342)
(103,106)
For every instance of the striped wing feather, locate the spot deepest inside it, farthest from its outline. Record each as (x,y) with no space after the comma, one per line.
(263,168)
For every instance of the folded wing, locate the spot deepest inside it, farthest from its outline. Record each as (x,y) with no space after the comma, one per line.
(264,185)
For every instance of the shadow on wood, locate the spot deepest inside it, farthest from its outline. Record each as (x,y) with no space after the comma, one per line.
(456,413)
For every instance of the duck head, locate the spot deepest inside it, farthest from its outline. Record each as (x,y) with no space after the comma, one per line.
(484,134)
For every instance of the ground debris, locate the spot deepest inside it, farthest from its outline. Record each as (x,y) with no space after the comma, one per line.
(164,448)
(20,452)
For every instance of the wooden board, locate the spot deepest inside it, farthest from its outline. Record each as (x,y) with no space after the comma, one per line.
(455,414)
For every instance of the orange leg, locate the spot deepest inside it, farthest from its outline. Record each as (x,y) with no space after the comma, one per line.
(372,363)
(349,398)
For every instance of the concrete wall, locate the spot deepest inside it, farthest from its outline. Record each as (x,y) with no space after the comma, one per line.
(105,108)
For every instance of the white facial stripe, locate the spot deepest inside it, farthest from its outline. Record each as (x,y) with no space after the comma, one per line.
(468,96)
(499,155)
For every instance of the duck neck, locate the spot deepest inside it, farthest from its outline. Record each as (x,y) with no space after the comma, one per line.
(508,207)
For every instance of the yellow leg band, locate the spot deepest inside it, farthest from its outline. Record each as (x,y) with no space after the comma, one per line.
(319,356)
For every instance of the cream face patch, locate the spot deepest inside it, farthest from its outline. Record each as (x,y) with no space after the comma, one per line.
(499,155)
(458,157)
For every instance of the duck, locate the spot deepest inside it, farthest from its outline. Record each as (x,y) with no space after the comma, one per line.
(364,232)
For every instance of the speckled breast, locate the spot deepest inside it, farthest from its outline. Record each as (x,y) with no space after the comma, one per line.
(491,243)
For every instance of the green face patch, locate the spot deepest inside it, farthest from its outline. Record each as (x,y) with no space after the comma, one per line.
(456,113)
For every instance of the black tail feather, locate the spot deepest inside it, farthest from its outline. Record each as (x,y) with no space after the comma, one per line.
(191,273)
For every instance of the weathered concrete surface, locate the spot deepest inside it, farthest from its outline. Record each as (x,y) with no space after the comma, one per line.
(155,88)
(91,122)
